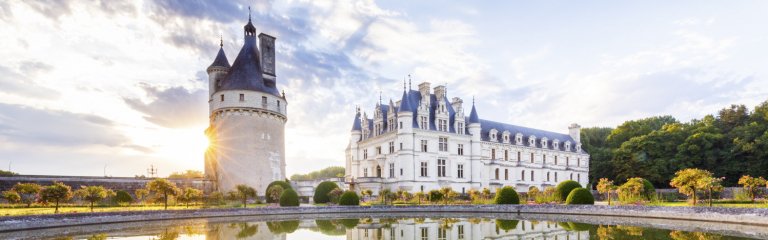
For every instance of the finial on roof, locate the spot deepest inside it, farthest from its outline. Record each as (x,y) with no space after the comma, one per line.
(379,96)
(473,100)
(221,41)
(409,81)
(249,13)
(403,83)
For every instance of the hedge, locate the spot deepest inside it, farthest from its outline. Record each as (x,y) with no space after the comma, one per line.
(322,190)
(580,196)
(506,225)
(648,190)
(283,184)
(435,196)
(122,197)
(349,198)
(507,195)
(350,223)
(565,188)
(289,198)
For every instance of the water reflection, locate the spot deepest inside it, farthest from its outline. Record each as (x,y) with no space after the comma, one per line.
(400,229)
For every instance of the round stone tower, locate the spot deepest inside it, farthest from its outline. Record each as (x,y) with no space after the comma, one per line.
(247,117)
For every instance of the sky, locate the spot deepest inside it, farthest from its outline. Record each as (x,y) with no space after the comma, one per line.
(111,87)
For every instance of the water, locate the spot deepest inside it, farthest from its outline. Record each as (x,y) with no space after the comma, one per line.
(374,228)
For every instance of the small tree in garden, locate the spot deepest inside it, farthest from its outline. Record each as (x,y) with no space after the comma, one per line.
(752,185)
(711,184)
(419,195)
(283,184)
(486,193)
(632,190)
(11,196)
(275,191)
(473,194)
(93,194)
(533,191)
(122,198)
(384,195)
(349,198)
(244,192)
(688,181)
(141,194)
(164,189)
(565,187)
(28,192)
(57,192)
(507,195)
(322,190)
(580,196)
(448,194)
(289,198)
(334,195)
(435,196)
(366,192)
(189,195)
(605,186)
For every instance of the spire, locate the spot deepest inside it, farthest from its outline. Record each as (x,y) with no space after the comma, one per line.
(356,125)
(409,81)
(473,114)
(405,103)
(221,58)
(221,41)
(249,29)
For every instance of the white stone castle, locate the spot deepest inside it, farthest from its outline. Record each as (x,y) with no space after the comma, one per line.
(424,142)
(247,117)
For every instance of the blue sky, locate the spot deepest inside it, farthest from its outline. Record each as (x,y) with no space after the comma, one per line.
(89,86)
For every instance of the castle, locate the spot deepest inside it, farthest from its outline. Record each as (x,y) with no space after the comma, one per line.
(424,142)
(247,116)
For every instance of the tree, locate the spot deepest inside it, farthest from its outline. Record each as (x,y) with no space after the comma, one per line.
(189,195)
(322,190)
(486,193)
(565,187)
(123,198)
(366,192)
(189,174)
(57,192)
(711,184)
(163,188)
(532,192)
(28,192)
(632,190)
(141,193)
(7,173)
(329,172)
(384,194)
(11,196)
(244,192)
(289,198)
(274,192)
(507,195)
(93,194)
(349,198)
(435,196)
(580,196)
(752,185)
(448,194)
(284,186)
(419,195)
(688,181)
(605,186)
(333,195)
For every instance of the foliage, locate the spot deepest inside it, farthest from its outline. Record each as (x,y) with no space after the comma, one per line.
(506,225)
(752,185)
(385,195)
(564,188)
(435,196)
(506,195)
(711,185)
(580,196)
(244,192)
(274,192)
(57,192)
(93,194)
(122,197)
(322,190)
(404,196)
(329,172)
(349,198)
(11,196)
(189,174)
(330,228)
(28,192)
(631,191)
(189,195)
(163,189)
(7,173)
(289,198)
(648,190)
(419,195)
(366,192)
(448,194)
(285,185)
(215,198)
(533,191)
(688,181)
(141,194)
(333,195)
(350,223)
(605,186)
(283,226)
(548,196)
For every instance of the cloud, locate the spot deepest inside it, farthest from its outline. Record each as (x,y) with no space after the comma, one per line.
(14,83)
(53,9)
(34,67)
(174,107)
(42,127)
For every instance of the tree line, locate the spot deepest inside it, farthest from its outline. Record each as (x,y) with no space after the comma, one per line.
(329,172)
(729,144)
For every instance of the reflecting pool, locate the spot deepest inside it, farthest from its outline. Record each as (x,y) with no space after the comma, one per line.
(416,228)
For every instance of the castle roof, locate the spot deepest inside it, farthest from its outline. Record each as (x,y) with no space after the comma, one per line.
(405,103)
(221,59)
(473,114)
(246,71)
(356,124)
(486,126)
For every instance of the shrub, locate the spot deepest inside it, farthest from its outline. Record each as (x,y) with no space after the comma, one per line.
(283,226)
(328,227)
(565,188)
(289,198)
(334,195)
(215,198)
(122,197)
(649,192)
(350,223)
(283,184)
(580,196)
(349,198)
(435,196)
(507,195)
(506,225)
(322,190)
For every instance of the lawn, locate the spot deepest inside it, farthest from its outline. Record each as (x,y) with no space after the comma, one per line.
(757,204)
(38,210)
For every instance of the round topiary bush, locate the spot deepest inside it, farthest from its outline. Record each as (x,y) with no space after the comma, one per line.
(349,198)
(289,198)
(350,223)
(565,188)
(507,195)
(285,185)
(435,196)
(122,197)
(580,196)
(322,190)
(506,225)
(648,190)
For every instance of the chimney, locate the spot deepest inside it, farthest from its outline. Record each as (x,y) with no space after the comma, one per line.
(440,92)
(575,132)
(457,104)
(267,49)
(424,89)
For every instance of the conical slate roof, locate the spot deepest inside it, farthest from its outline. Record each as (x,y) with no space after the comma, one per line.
(246,72)
(405,104)
(356,124)
(221,59)
(473,115)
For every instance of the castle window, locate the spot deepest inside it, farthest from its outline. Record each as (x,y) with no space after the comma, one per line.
(401,172)
(365,172)
(544,158)
(378,150)
(401,125)
(461,232)
(461,150)
(460,171)
(401,146)
(264,101)
(532,179)
(506,174)
(391,170)
(365,153)
(547,176)
(571,178)
(531,157)
(567,161)
(443,144)
(506,155)
(222,97)
(424,145)
(424,233)
(518,156)
(578,177)
(461,128)
(242,97)
(522,175)
(493,154)
(555,176)
(544,142)
(278,105)
(497,174)
(424,123)
(442,125)
(578,162)
(441,167)
(391,147)
(423,169)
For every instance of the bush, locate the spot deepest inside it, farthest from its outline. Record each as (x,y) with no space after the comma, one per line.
(506,225)
(322,190)
(435,196)
(214,198)
(649,192)
(350,223)
(122,197)
(283,184)
(565,188)
(349,198)
(328,227)
(580,196)
(507,195)
(283,226)
(289,198)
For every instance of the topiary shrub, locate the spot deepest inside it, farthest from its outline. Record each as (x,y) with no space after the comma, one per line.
(506,225)
(648,190)
(285,185)
(322,190)
(580,196)
(289,198)
(350,223)
(283,226)
(122,198)
(565,188)
(435,196)
(506,195)
(349,198)
(330,228)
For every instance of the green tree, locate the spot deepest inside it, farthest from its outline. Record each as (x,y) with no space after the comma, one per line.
(329,172)
(507,195)
(688,181)
(28,192)
(189,174)
(289,198)
(141,193)
(366,192)
(632,190)
(384,195)
(593,140)
(533,191)
(7,173)
(752,185)
(93,194)
(349,198)
(11,196)
(322,190)
(189,195)
(565,187)
(605,186)
(580,196)
(274,192)
(711,185)
(419,195)
(123,198)
(435,196)
(164,189)
(333,195)
(448,194)
(283,185)
(57,192)
(244,192)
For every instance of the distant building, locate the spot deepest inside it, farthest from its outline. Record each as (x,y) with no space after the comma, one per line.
(247,116)
(424,142)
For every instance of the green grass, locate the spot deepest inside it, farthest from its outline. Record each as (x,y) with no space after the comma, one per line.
(757,204)
(41,210)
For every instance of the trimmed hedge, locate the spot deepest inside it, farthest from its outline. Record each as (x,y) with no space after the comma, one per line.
(349,198)
(580,196)
(289,198)
(506,225)
(565,188)
(322,190)
(507,195)
(283,226)
(648,190)
(283,184)
(350,223)
(435,196)
(122,197)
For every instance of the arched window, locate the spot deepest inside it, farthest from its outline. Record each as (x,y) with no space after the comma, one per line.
(578,177)
(378,171)
(506,174)
(547,176)
(497,174)
(532,177)
(571,176)
(555,176)
(522,175)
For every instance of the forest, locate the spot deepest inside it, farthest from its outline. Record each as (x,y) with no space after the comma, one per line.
(731,143)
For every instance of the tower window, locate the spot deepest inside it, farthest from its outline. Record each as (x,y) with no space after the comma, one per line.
(242,97)
(493,154)
(222,97)
(278,104)
(264,101)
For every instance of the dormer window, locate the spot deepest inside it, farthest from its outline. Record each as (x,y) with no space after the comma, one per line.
(556,144)
(506,136)
(568,146)
(532,141)
(578,147)
(492,135)
(544,142)
(519,139)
